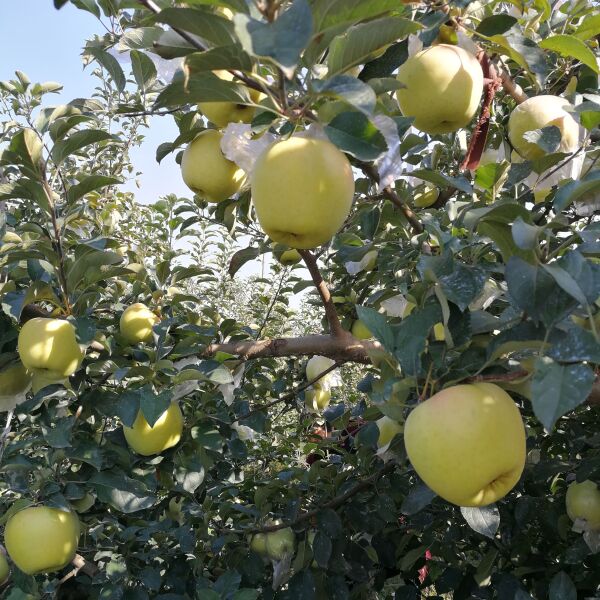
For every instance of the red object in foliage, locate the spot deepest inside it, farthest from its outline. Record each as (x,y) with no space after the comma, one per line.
(424,570)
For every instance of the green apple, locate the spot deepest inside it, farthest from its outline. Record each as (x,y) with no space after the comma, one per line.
(207,172)
(290,257)
(467,443)
(4,568)
(370,260)
(165,433)
(315,366)
(136,323)
(259,543)
(302,189)
(539,112)
(280,542)
(443,89)
(15,380)
(41,539)
(388,428)
(583,502)
(360,331)
(49,347)
(426,196)
(317,399)
(223,113)
(40,381)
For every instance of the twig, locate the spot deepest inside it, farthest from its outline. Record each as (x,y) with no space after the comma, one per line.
(5,433)
(498,377)
(511,88)
(335,327)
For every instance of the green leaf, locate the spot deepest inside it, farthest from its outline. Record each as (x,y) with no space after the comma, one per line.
(575,190)
(283,40)
(482,519)
(570,47)
(495,24)
(59,436)
(377,324)
(89,183)
(152,405)
(360,41)
(578,345)
(418,498)
(441,180)
(322,548)
(123,493)
(354,133)
(562,588)
(525,236)
(240,258)
(463,284)
(589,27)
(352,90)
(225,57)
(78,140)
(207,25)
(547,138)
(333,13)
(329,522)
(557,389)
(143,68)
(111,64)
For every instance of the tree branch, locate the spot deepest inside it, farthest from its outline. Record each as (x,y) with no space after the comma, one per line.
(335,327)
(511,88)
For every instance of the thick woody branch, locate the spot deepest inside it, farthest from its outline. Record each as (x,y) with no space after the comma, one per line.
(340,349)
(512,89)
(335,327)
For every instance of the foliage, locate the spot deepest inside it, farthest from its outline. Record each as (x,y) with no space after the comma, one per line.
(506,260)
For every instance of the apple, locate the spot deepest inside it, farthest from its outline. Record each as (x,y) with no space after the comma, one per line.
(137,322)
(539,112)
(317,399)
(165,433)
(315,366)
(259,543)
(290,257)
(583,502)
(360,331)
(280,542)
(207,172)
(302,189)
(426,196)
(444,84)
(49,347)
(41,539)
(467,443)
(40,381)
(439,332)
(4,568)
(388,428)
(223,113)
(15,380)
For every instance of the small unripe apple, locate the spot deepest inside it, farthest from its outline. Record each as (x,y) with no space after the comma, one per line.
(426,196)
(316,365)
(583,502)
(223,113)
(467,443)
(439,332)
(40,539)
(317,399)
(360,331)
(165,433)
(539,112)
(14,381)
(258,543)
(444,85)
(280,543)
(290,257)
(136,323)
(49,347)
(388,428)
(207,172)
(302,190)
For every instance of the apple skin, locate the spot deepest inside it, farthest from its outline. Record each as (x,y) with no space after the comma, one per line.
(280,543)
(316,365)
(317,400)
(467,443)
(290,257)
(136,323)
(14,380)
(165,433)
(439,333)
(302,189)
(259,543)
(223,113)
(388,428)
(4,568)
(207,172)
(444,84)
(41,539)
(539,112)
(360,331)
(49,346)
(583,502)
(427,197)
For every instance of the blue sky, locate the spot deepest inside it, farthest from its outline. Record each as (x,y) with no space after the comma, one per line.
(46,45)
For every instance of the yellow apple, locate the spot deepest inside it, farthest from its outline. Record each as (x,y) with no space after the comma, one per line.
(136,323)
(467,443)
(290,257)
(426,196)
(360,331)
(207,172)
(15,380)
(259,543)
(4,568)
(583,502)
(439,333)
(223,113)
(443,88)
(49,347)
(41,539)
(40,381)
(388,428)
(539,112)
(165,433)
(317,399)
(315,366)
(280,542)
(302,189)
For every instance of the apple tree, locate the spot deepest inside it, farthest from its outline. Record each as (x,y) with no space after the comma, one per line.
(401,400)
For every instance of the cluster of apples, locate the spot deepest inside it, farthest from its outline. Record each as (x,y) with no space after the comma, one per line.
(274,544)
